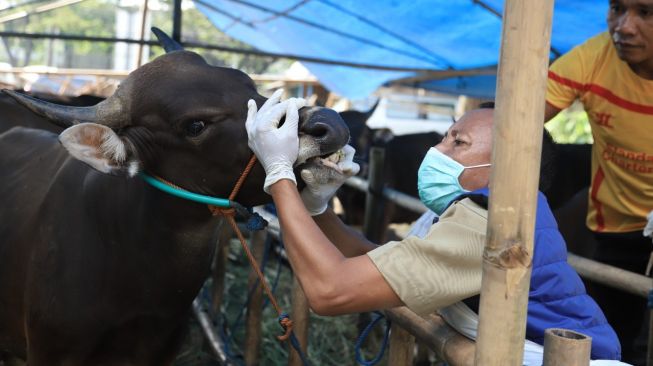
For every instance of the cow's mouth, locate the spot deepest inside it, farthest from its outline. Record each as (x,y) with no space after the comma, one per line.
(326,168)
(329,161)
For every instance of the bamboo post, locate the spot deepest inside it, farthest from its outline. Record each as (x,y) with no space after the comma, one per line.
(402,344)
(255,304)
(564,347)
(516,153)
(300,313)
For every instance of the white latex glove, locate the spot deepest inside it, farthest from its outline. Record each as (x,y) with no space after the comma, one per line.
(322,186)
(275,147)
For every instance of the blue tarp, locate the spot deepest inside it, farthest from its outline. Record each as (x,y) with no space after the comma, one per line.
(435,34)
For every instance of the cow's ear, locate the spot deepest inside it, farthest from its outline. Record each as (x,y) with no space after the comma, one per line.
(100,147)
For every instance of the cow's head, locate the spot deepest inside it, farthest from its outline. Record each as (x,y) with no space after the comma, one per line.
(183,120)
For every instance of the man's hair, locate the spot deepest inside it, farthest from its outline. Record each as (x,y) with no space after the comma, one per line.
(549,155)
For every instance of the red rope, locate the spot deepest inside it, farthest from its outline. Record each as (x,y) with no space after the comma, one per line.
(229,214)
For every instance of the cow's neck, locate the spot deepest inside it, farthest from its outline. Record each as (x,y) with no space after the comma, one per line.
(170,237)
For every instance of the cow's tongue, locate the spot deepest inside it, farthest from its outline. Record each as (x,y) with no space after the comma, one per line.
(330,161)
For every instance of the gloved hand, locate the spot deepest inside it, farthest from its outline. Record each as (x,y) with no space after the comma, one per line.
(275,147)
(322,186)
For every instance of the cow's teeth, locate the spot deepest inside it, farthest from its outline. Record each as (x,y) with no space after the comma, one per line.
(331,164)
(336,157)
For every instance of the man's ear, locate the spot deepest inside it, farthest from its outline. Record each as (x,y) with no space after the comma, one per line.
(100,147)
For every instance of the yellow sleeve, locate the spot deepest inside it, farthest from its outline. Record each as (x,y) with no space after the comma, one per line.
(568,76)
(442,268)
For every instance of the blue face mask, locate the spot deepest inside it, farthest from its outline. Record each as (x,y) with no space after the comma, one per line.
(437,180)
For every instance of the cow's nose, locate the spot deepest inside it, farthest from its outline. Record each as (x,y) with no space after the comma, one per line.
(325,125)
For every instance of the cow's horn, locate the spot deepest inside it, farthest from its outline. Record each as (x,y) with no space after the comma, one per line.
(106,112)
(166,42)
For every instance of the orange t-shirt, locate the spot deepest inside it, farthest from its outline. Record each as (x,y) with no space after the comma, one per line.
(619,104)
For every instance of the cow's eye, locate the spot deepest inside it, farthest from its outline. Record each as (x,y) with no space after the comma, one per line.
(194,128)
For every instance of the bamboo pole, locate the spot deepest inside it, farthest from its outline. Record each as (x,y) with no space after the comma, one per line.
(564,347)
(449,345)
(614,277)
(255,305)
(513,183)
(402,344)
(300,313)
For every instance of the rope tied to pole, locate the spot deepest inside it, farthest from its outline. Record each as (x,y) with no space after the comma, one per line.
(230,215)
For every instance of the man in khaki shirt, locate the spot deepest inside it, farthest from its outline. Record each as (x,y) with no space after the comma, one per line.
(443,267)
(342,272)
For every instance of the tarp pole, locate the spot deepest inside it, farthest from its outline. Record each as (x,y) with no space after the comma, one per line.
(141,35)
(516,149)
(176,21)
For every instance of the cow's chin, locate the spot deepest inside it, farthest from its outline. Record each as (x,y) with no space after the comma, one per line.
(322,173)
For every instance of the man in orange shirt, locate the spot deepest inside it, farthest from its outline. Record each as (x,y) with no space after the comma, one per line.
(612,75)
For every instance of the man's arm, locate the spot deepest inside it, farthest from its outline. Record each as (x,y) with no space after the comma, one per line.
(349,241)
(332,283)
(550,111)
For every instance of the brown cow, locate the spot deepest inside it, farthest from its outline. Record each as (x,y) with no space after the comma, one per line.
(96,266)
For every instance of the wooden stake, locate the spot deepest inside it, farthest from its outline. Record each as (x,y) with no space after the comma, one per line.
(300,316)
(518,126)
(255,306)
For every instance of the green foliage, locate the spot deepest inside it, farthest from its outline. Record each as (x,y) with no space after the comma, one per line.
(571,126)
(90,18)
(98,18)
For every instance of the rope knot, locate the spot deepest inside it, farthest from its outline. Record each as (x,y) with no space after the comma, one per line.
(215,211)
(286,324)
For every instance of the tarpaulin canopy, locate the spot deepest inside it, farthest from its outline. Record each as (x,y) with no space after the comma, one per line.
(438,35)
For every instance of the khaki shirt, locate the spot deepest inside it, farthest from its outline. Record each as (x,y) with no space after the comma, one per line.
(443,267)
